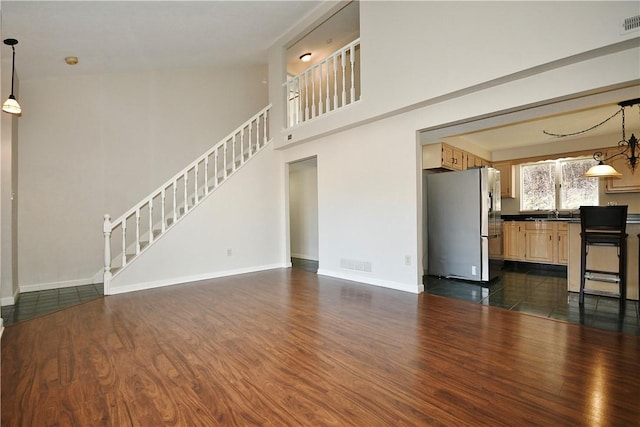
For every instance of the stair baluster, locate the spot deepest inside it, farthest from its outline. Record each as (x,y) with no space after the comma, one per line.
(183,207)
(106,229)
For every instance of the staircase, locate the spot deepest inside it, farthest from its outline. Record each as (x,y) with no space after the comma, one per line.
(142,225)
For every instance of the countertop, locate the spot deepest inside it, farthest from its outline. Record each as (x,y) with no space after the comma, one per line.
(632,218)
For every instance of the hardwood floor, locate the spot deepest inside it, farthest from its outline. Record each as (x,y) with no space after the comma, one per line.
(287,347)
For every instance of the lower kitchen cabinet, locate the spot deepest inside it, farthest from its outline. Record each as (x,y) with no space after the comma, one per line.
(513,237)
(538,238)
(561,256)
(542,242)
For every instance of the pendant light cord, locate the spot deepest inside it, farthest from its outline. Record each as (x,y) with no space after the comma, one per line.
(13,67)
(562,135)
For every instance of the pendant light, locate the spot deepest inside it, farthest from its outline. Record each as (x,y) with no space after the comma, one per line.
(11,105)
(628,151)
(629,148)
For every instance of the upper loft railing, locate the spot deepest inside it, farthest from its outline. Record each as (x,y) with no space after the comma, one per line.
(326,86)
(143,224)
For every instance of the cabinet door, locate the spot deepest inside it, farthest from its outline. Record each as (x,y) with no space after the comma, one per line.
(451,157)
(629,183)
(539,243)
(513,240)
(469,161)
(563,245)
(506,179)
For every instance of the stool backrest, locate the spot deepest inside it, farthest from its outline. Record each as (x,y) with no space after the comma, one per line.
(603,218)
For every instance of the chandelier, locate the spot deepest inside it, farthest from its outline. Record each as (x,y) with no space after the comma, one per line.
(629,148)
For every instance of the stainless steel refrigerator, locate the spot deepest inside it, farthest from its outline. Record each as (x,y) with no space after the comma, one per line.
(464,228)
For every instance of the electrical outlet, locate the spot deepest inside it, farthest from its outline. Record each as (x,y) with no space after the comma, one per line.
(407,260)
(229,252)
(473,270)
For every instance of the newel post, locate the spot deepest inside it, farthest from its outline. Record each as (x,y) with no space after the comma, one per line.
(107,253)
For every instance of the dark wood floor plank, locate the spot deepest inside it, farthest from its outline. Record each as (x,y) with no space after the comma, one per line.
(287,347)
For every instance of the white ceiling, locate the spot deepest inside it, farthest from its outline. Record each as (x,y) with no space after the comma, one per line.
(335,32)
(124,36)
(530,132)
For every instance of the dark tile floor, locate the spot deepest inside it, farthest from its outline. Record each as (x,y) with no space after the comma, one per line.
(542,293)
(32,304)
(304,264)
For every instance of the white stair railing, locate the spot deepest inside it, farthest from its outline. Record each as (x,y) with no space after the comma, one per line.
(139,227)
(331,84)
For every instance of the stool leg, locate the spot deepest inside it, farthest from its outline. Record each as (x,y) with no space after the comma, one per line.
(622,269)
(583,268)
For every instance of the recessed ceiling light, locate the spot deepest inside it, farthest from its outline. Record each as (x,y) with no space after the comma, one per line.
(305,57)
(71,60)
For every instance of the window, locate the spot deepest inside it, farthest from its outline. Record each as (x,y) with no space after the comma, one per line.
(557,185)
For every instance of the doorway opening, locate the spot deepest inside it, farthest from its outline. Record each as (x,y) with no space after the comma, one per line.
(303,214)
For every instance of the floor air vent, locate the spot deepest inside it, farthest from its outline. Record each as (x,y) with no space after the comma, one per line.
(631,24)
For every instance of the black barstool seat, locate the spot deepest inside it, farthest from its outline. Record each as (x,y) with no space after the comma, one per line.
(604,226)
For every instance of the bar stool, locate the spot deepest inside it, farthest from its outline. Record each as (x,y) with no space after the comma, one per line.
(604,226)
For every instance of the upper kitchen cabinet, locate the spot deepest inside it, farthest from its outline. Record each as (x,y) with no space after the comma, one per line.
(442,156)
(630,180)
(445,156)
(507,179)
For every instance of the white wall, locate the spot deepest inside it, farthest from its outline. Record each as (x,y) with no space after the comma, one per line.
(420,53)
(367,193)
(303,209)
(242,215)
(91,145)
(442,47)
(430,64)
(8,188)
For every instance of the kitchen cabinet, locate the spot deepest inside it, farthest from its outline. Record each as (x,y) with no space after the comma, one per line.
(469,161)
(513,238)
(507,179)
(561,255)
(443,156)
(539,242)
(542,242)
(629,183)
(452,157)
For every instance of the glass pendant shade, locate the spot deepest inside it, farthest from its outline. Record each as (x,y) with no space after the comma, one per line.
(11,106)
(602,171)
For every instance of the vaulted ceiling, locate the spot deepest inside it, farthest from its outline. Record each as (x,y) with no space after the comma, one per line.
(124,36)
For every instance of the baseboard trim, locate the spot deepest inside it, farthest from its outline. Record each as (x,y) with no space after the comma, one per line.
(10,300)
(56,285)
(414,289)
(114,289)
